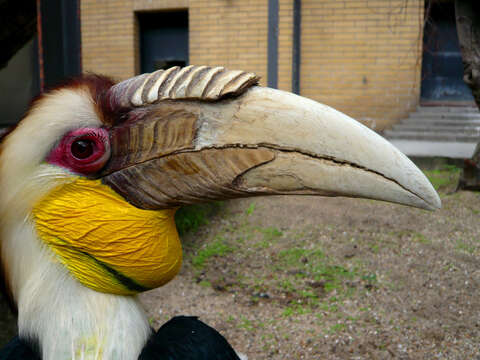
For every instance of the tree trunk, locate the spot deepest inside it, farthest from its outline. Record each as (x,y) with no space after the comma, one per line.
(467,15)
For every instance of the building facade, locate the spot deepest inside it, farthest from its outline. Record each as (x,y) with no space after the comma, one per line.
(362,57)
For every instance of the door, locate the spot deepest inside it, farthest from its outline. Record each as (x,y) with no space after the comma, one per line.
(442,68)
(163,40)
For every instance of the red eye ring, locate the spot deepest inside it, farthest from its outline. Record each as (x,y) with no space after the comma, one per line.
(83,151)
(86,147)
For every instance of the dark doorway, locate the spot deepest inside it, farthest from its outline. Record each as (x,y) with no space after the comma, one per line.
(163,40)
(60,40)
(442,68)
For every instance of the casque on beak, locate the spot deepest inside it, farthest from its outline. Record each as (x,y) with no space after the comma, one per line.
(198,134)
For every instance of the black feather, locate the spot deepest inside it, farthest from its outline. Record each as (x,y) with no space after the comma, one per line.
(19,349)
(187,338)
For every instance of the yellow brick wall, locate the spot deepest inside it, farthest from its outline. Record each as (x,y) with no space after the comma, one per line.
(232,33)
(228,33)
(110,34)
(363,57)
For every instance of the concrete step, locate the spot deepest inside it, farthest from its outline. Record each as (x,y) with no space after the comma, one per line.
(447,109)
(445,131)
(441,122)
(474,129)
(423,148)
(445,136)
(449,116)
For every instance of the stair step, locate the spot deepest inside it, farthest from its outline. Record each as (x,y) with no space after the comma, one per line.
(438,131)
(447,109)
(448,116)
(474,129)
(432,136)
(455,150)
(441,122)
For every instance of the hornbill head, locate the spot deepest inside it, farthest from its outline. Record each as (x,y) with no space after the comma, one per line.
(95,171)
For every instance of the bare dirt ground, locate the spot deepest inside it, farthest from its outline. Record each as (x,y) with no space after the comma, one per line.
(334,278)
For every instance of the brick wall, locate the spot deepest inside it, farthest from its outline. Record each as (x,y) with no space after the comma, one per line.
(231,33)
(110,34)
(228,33)
(362,57)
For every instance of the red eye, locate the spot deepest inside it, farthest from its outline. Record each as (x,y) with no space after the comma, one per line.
(83,151)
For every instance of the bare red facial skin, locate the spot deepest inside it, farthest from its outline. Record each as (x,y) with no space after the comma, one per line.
(83,151)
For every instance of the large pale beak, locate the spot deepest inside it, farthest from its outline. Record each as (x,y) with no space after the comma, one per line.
(215,144)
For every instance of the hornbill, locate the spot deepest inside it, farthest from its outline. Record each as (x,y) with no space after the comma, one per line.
(91,177)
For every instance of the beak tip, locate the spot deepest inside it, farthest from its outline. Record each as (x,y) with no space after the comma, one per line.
(436,203)
(430,199)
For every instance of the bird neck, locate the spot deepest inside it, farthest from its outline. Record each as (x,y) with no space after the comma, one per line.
(71,321)
(68,320)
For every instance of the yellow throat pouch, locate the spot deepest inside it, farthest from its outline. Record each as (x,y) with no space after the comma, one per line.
(108,244)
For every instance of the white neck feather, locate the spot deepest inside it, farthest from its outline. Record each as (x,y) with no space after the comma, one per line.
(69,320)
(74,322)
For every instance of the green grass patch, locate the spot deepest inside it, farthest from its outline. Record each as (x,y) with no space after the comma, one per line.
(328,306)
(333,275)
(370,278)
(419,237)
(464,247)
(191,218)
(247,324)
(215,248)
(287,285)
(317,270)
(295,309)
(297,256)
(337,328)
(375,248)
(205,284)
(250,209)
(410,235)
(270,235)
(445,177)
